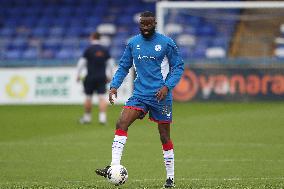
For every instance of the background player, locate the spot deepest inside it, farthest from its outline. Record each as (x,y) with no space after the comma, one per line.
(95,58)
(155,78)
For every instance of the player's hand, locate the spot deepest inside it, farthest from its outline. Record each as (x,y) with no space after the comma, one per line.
(78,79)
(112,91)
(108,80)
(162,93)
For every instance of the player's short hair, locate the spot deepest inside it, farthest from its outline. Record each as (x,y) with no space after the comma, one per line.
(95,36)
(147,14)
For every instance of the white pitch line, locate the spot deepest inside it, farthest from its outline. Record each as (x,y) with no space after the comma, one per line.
(40,161)
(176,160)
(200,179)
(154,180)
(141,144)
(229,160)
(212,179)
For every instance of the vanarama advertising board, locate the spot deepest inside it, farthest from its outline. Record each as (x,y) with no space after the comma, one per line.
(231,82)
(48,86)
(202,82)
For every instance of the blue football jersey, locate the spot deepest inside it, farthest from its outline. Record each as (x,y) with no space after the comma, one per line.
(156,61)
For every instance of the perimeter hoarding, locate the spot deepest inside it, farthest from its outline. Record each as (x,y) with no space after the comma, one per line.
(56,85)
(230,82)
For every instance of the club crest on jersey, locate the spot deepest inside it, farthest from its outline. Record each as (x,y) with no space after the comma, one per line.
(138,47)
(158,47)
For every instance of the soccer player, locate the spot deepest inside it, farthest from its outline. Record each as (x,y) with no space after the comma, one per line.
(95,58)
(158,67)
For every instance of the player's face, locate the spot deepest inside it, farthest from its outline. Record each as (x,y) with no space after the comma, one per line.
(147,26)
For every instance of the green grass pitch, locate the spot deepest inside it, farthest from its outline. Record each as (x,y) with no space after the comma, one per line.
(217,145)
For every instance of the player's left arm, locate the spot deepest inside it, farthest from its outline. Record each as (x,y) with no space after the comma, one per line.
(176,65)
(176,69)
(81,65)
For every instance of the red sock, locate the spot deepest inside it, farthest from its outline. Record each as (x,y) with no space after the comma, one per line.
(120,132)
(117,146)
(168,146)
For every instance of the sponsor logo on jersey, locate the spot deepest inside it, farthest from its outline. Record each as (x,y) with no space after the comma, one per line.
(158,48)
(145,57)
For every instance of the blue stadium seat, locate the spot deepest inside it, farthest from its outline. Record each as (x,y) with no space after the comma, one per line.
(116,52)
(86,31)
(66,53)
(70,2)
(49,11)
(44,22)
(185,52)
(7,32)
(48,53)
(77,23)
(39,32)
(124,20)
(73,32)
(15,12)
(56,32)
(220,42)
(92,21)
(83,44)
(51,43)
(31,53)
(65,12)
(18,44)
(28,22)
(70,42)
(195,21)
(133,9)
(80,12)
(206,30)
(13,54)
(11,22)
(31,12)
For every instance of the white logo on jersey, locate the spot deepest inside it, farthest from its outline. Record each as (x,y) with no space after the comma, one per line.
(146,57)
(169,114)
(138,47)
(158,48)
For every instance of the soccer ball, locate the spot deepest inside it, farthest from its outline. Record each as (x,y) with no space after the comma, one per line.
(117,175)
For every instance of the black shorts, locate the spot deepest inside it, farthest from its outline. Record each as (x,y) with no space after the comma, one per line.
(91,86)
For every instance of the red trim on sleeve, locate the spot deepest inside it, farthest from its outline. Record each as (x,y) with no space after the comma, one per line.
(168,146)
(120,132)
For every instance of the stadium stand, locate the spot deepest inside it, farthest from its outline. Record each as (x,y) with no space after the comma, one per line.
(279,43)
(58,29)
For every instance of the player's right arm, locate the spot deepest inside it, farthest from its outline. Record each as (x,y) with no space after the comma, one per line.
(125,64)
(112,91)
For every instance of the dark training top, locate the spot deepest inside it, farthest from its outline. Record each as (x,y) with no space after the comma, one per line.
(96,56)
